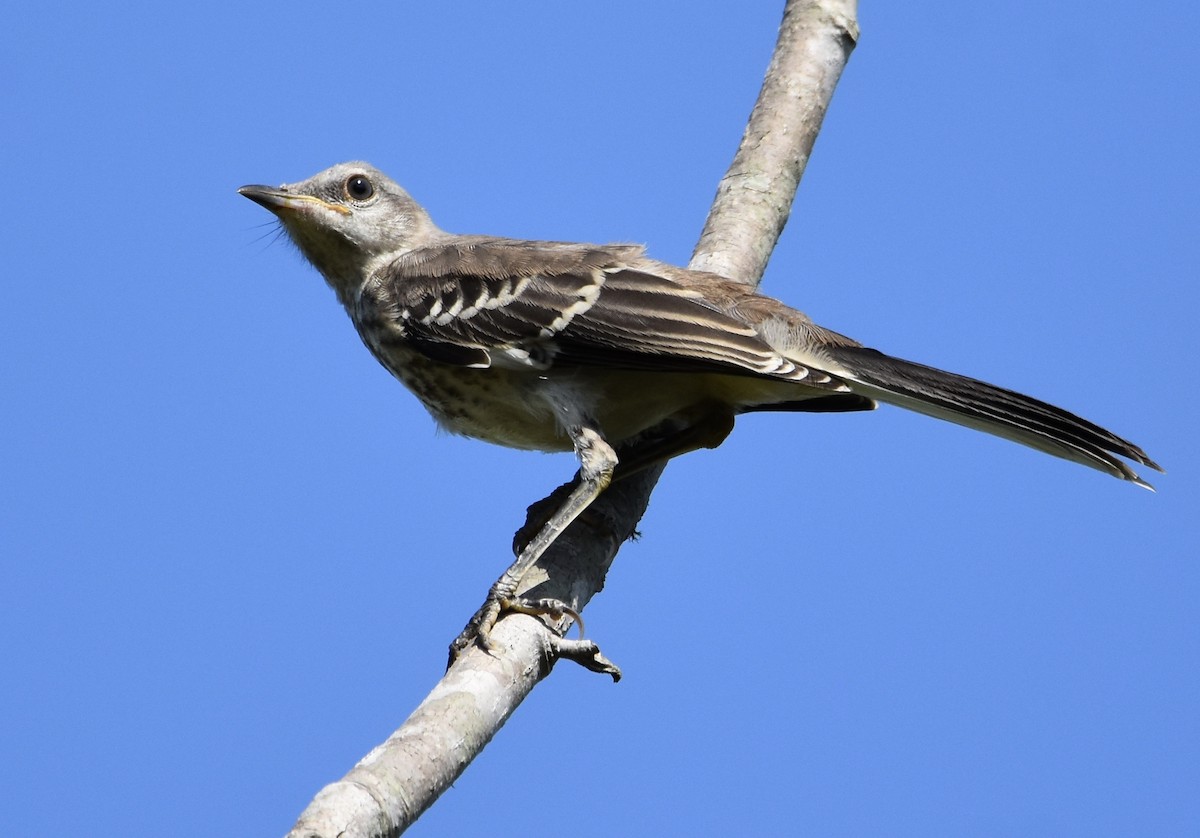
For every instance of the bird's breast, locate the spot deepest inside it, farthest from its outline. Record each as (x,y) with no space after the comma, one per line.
(531,409)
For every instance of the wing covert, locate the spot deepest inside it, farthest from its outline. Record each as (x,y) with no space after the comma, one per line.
(605,313)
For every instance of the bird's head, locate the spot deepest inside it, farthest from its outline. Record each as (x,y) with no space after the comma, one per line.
(347,220)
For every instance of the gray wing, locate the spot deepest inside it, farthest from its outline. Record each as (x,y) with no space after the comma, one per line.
(568,305)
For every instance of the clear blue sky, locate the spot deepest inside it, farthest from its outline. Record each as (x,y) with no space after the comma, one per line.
(234,550)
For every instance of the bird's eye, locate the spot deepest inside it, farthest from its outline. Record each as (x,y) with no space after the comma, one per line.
(359,188)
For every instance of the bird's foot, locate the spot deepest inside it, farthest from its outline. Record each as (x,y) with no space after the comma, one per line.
(596,463)
(478,630)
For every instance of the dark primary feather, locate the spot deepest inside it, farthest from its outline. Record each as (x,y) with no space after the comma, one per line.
(639,313)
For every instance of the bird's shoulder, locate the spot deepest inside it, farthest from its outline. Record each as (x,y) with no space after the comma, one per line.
(500,258)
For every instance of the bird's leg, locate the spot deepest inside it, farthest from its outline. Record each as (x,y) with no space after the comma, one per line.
(707,429)
(597,460)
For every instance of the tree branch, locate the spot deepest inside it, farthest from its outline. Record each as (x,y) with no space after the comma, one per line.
(755,196)
(398,780)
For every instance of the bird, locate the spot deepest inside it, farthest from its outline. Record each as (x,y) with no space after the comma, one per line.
(565,346)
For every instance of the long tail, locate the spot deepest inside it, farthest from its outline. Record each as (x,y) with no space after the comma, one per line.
(986,407)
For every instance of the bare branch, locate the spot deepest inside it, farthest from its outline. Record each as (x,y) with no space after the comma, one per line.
(754,198)
(389,789)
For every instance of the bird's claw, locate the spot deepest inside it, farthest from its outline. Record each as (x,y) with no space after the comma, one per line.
(478,630)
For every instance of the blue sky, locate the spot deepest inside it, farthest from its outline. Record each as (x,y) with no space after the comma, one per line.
(234,550)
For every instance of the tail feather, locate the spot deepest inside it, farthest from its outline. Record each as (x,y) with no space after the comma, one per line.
(986,407)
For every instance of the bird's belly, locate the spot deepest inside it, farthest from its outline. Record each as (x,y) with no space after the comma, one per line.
(531,409)
(485,404)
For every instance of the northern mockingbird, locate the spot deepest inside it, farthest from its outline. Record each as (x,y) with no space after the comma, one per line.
(555,346)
